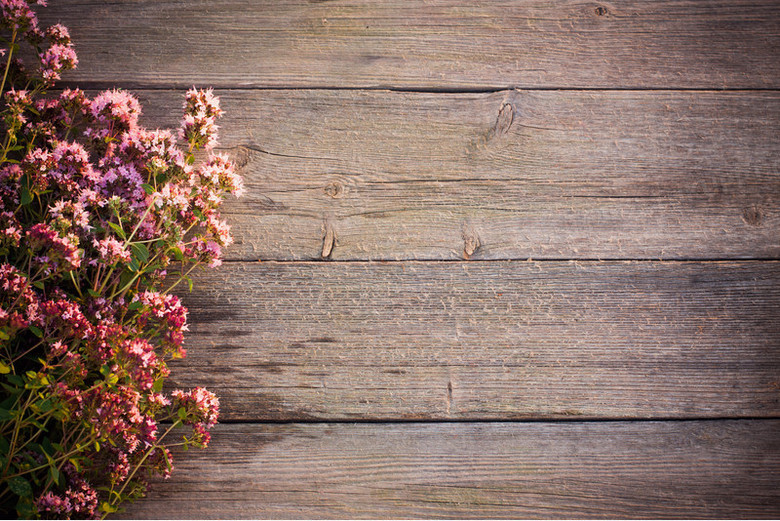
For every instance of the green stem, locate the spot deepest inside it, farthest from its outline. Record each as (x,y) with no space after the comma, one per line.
(140,463)
(8,62)
(181,278)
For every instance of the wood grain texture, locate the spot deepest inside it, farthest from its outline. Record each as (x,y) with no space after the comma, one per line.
(486,340)
(495,470)
(430,44)
(546,175)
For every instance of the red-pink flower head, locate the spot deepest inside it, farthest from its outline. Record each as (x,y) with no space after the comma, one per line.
(117,109)
(59,56)
(200,405)
(111,250)
(201,110)
(17,16)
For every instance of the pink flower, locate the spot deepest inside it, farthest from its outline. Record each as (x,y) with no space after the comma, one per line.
(17,15)
(220,173)
(201,406)
(55,59)
(50,503)
(201,110)
(63,252)
(111,250)
(116,107)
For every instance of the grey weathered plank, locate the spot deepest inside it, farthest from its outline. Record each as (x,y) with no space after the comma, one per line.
(514,174)
(426,43)
(486,340)
(477,470)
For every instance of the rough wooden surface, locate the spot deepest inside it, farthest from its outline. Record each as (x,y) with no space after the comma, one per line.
(486,340)
(426,43)
(513,174)
(477,470)
(392,130)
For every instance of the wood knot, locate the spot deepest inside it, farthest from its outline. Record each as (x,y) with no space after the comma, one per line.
(601,11)
(328,240)
(752,215)
(471,242)
(240,156)
(335,189)
(506,115)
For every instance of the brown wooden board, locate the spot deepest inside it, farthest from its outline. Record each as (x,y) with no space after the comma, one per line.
(516,174)
(477,470)
(486,340)
(433,44)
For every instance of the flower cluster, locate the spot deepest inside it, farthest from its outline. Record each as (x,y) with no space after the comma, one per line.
(100,219)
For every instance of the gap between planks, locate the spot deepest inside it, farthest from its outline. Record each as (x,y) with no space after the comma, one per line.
(96,85)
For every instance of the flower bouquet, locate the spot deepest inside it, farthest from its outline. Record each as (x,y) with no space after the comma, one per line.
(100,219)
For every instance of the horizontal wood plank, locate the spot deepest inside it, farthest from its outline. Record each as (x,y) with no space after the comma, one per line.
(434,44)
(515,174)
(476,470)
(486,340)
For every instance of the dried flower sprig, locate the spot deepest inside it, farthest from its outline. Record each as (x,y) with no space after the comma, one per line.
(99,219)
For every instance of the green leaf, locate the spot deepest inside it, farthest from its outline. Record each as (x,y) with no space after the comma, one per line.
(4,368)
(125,279)
(140,251)
(167,460)
(15,379)
(47,446)
(54,474)
(133,265)
(158,385)
(45,405)
(6,415)
(118,229)
(35,331)
(93,293)
(107,508)
(189,282)
(178,255)
(134,305)
(3,334)
(38,284)
(182,413)
(149,189)
(26,196)
(20,486)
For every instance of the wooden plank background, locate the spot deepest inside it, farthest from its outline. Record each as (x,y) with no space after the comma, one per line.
(517,258)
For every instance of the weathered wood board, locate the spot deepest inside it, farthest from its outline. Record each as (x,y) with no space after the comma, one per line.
(513,174)
(486,340)
(433,44)
(477,470)
(449,141)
